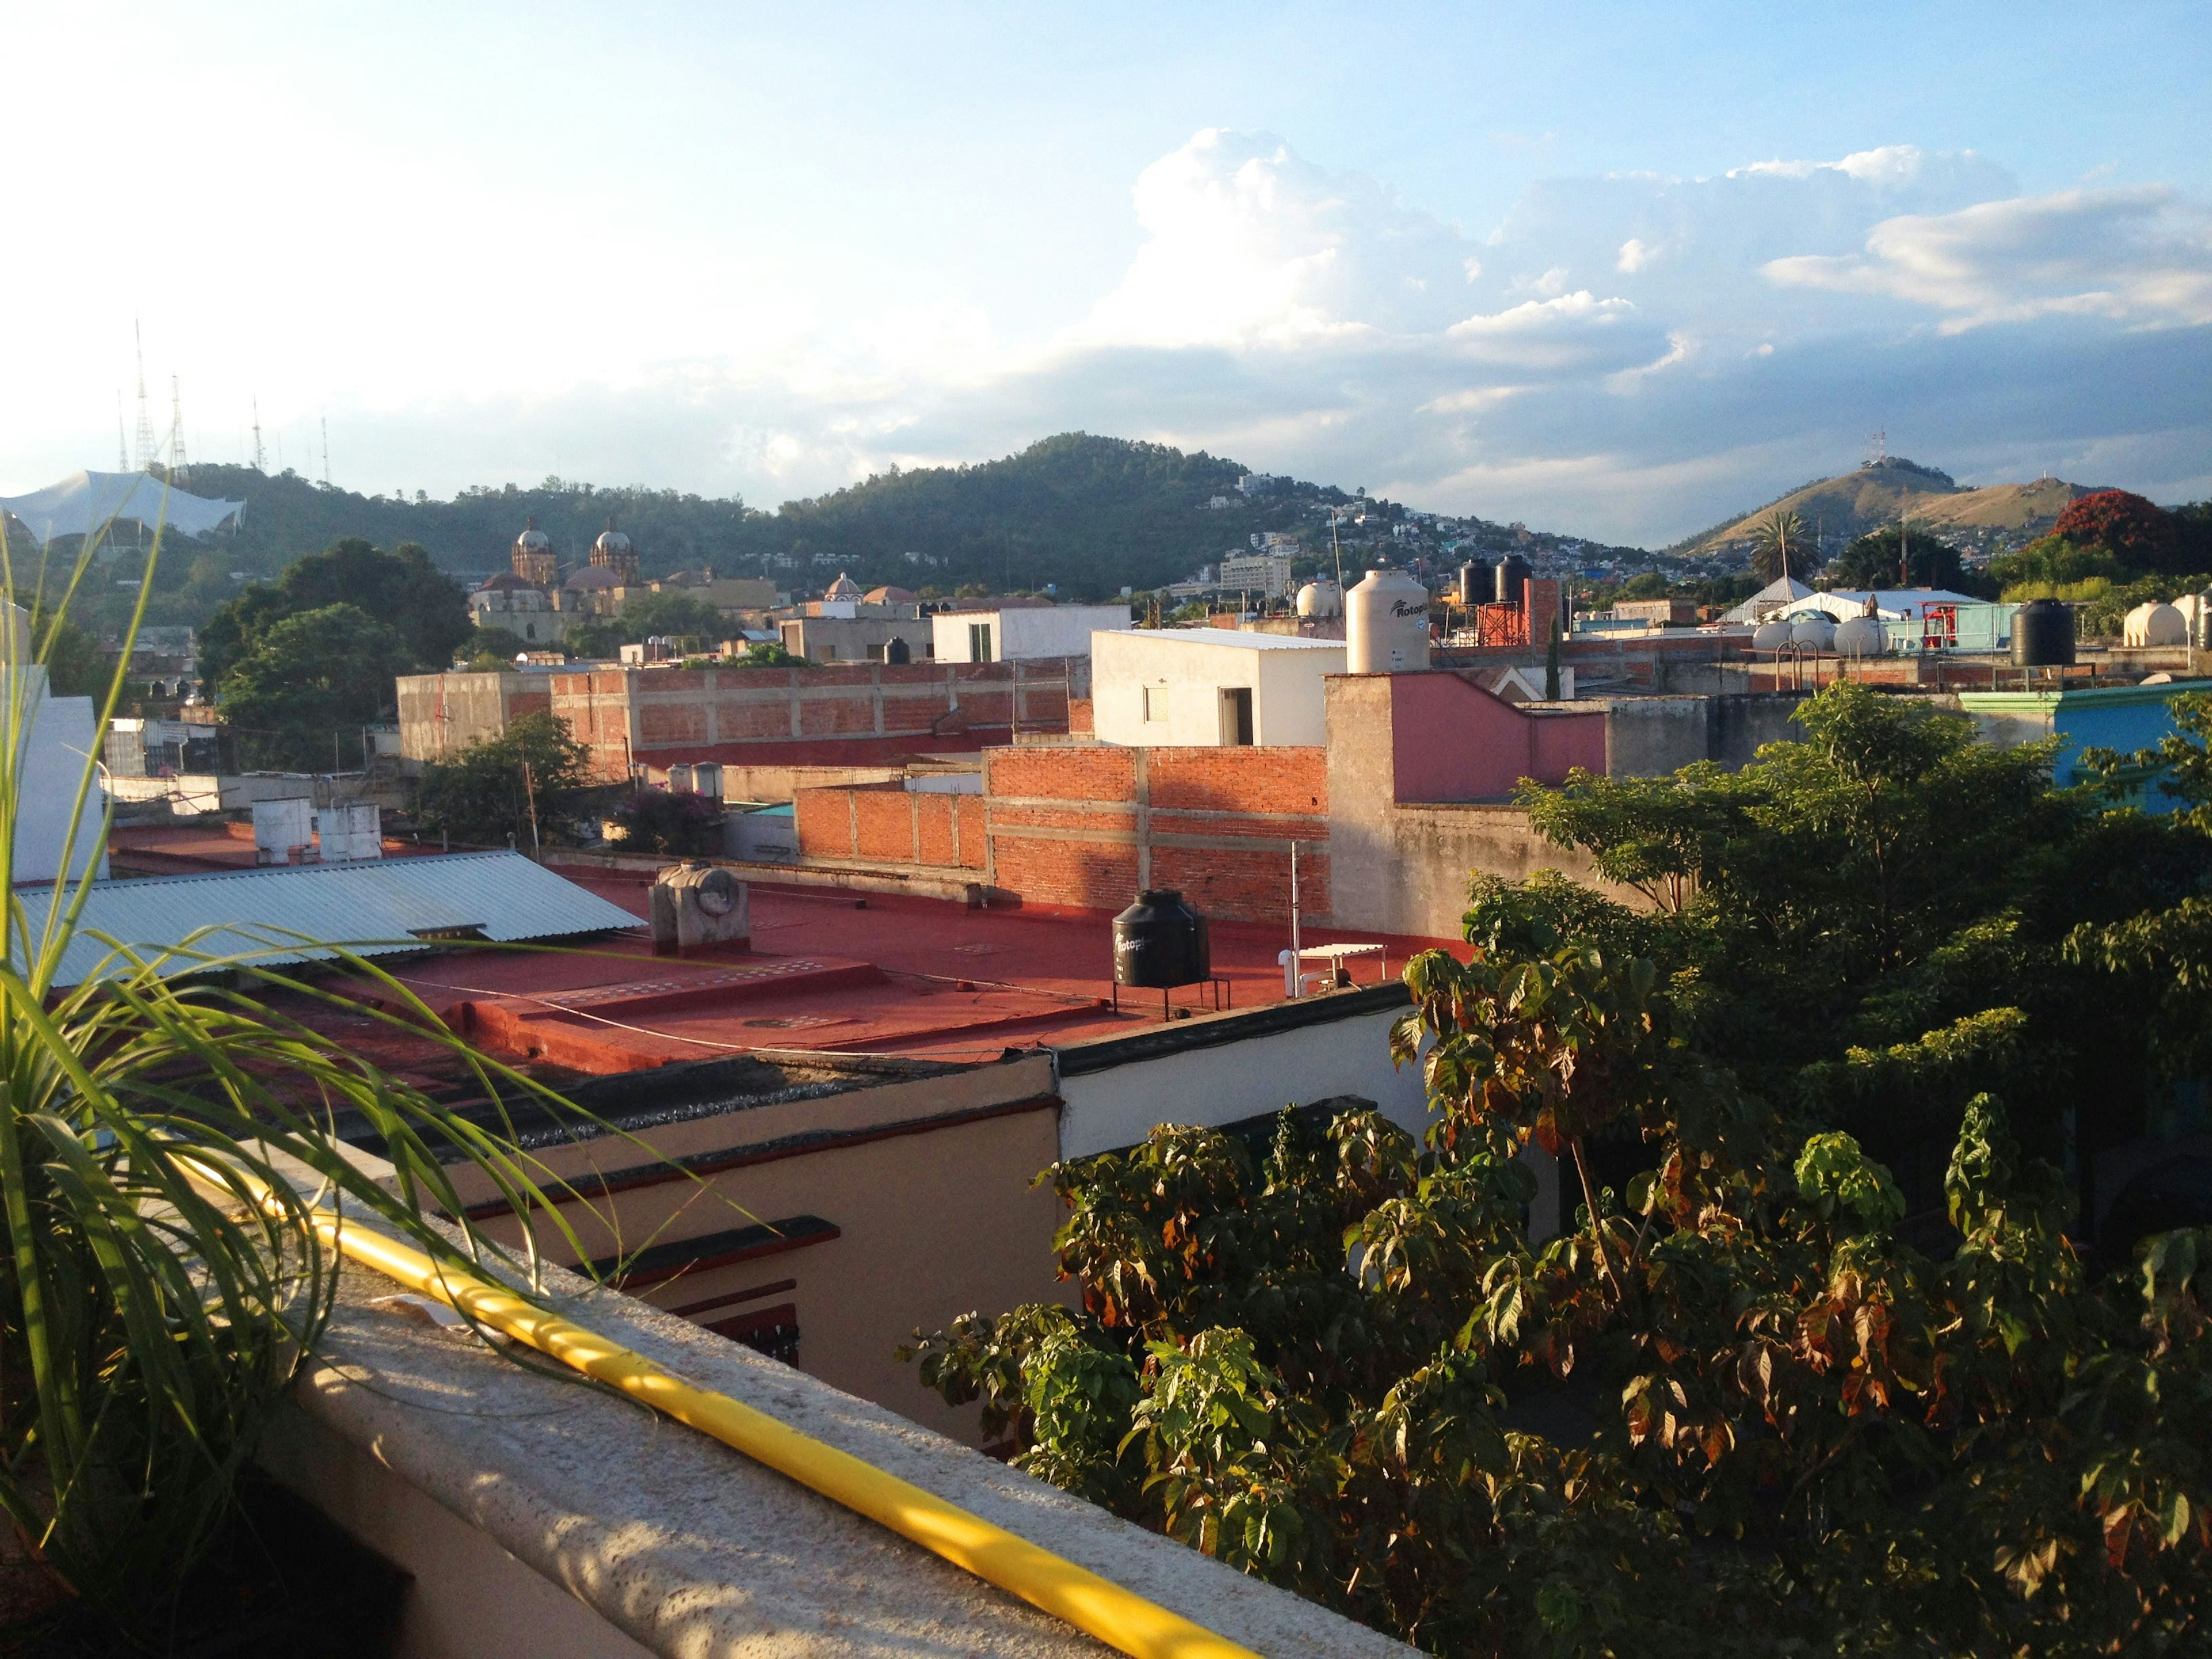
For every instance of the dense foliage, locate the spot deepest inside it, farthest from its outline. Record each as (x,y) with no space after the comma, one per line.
(302,699)
(1765,1393)
(532,774)
(655,820)
(2109,552)
(402,590)
(1781,544)
(1878,561)
(2137,533)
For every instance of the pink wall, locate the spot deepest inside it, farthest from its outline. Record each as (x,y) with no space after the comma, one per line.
(1453,741)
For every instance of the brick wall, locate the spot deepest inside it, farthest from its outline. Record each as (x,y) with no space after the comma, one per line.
(888,825)
(1085,828)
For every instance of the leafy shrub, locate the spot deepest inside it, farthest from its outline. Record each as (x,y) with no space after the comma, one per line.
(655,820)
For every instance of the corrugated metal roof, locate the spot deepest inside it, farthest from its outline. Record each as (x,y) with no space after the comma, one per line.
(372,907)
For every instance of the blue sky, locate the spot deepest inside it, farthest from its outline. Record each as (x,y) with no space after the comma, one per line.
(1609,268)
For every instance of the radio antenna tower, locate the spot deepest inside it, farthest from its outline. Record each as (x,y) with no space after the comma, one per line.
(146,451)
(180,471)
(260,461)
(326,451)
(1878,447)
(121,443)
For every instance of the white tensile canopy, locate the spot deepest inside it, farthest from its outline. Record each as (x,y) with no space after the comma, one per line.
(84,502)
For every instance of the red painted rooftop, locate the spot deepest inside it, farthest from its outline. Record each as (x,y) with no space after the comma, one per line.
(828,970)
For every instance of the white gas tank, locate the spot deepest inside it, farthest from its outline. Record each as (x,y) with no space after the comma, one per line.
(1386,624)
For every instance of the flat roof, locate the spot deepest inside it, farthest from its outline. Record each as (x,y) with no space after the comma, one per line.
(1234,636)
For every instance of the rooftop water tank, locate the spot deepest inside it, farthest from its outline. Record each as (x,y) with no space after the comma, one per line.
(1770,636)
(2043,635)
(2154,624)
(1512,580)
(1321,598)
(1862,636)
(2195,611)
(898,651)
(1160,941)
(1475,584)
(1386,624)
(1817,632)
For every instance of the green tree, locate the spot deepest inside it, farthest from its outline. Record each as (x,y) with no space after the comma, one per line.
(662,821)
(492,788)
(1891,557)
(1779,544)
(671,615)
(300,696)
(424,607)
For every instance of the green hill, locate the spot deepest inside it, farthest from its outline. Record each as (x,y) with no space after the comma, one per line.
(1083,512)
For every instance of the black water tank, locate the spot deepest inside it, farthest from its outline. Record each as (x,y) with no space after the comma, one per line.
(2043,635)
(898,651)
(1513,574)
(1475,584)
(1160,941)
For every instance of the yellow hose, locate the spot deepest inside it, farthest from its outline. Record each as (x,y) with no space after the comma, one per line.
(1124,1621)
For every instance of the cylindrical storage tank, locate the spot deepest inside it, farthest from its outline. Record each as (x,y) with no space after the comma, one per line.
(1386,624)
(898,651)
(2043,635)
(1161,942)
(1818,632)
(1512,580)
(1862,636)
(1475,584)
(1770,637)
(1320,598)
(2154,624)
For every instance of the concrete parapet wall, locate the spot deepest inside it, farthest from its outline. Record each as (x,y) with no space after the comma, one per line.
(540,1518)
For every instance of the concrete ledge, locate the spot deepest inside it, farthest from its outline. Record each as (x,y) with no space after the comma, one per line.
(1211,1031)
(651,1538)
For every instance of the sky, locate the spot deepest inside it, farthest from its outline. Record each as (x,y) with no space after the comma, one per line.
(1619,271)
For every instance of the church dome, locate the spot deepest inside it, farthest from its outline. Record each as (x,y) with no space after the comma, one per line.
(843,588)
(506,582)
(593,578)
(611,541)
(532,539)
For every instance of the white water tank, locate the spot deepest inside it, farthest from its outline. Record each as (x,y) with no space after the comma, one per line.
(1386,624)
(283,830)
(1862,636)
(2195,611)
(1818,632)
(2154,624)
(1770,636)
(1321,598)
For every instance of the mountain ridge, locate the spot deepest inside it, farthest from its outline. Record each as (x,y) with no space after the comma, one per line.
(1851,504)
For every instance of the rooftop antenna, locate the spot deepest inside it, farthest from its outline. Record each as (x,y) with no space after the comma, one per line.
(260,460)
(326,451)
(145,418)
(180,471)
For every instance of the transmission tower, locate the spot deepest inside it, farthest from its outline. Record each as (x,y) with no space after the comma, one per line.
(260,460)
(180,471)
(121,443)
(1878,447)
(326,451)
(146,451)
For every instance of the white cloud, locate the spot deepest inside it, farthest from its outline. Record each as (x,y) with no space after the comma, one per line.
(2141,256)
(1634,254)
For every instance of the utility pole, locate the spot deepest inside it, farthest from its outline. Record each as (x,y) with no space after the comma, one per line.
(530,794)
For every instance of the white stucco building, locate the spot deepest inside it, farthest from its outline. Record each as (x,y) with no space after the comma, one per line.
(1012,635)
(57,743)
(1210,687)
